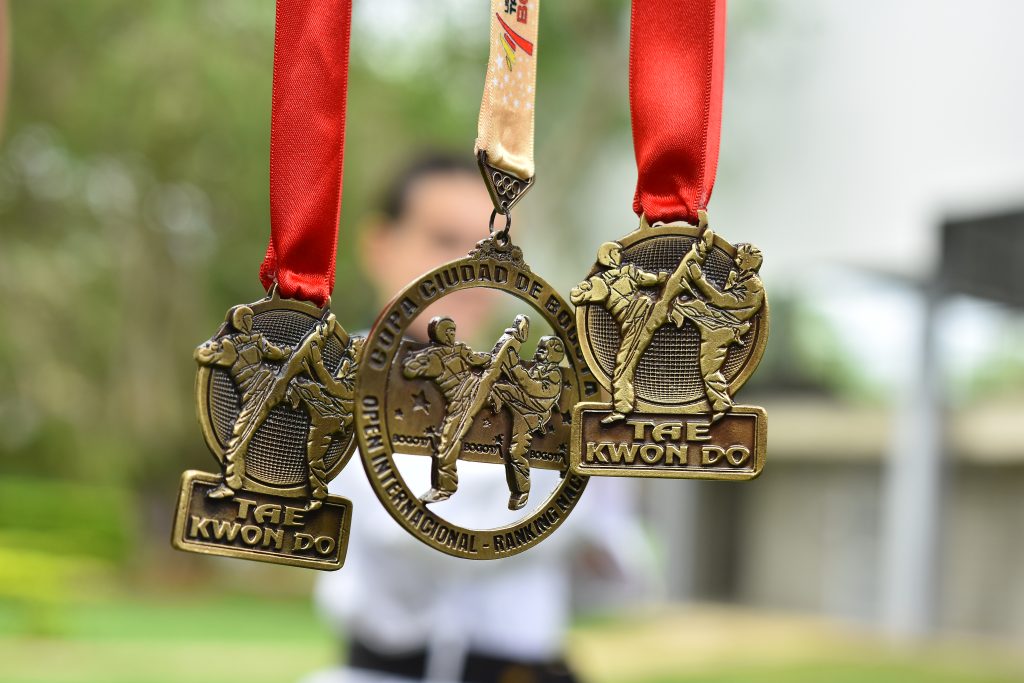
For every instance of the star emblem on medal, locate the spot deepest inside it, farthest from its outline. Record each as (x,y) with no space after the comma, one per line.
(420,402)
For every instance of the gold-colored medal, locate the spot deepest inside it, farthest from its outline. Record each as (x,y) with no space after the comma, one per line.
(274,396)
(447,401)
(275,386)
(673,320)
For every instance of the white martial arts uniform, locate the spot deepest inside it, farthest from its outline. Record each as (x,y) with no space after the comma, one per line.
(397,595)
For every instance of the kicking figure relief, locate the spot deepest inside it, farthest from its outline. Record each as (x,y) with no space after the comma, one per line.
(469,380)
(721,316)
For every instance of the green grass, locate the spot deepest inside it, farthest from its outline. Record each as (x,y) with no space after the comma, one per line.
(66,518)
(153,640)
(723,645)
(837,672)
(228,620)
(217,638)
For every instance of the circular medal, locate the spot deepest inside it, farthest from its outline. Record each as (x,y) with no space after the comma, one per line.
(444,400)
(274,397)
(274,392)
(673,320)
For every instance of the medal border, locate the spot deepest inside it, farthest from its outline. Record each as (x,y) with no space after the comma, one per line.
(367,378)
(203,385)
(643,232)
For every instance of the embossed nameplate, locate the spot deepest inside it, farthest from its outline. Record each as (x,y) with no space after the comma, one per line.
(259,526)
(680,446)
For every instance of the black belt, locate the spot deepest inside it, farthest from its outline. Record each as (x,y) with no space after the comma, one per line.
(478,668)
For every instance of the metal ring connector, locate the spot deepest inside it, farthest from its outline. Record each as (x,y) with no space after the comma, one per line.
(501,236)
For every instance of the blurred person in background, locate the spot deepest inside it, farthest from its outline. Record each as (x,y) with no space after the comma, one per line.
(407,612)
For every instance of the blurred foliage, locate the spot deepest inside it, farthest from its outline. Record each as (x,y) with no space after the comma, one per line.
(1001,375)
(58,542)
(65,518)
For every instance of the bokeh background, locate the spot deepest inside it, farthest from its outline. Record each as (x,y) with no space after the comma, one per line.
(865,147)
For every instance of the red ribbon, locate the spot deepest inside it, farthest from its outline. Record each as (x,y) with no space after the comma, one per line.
(307,136)
(676,68)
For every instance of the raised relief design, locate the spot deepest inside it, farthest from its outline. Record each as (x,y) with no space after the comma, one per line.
(469,381)
(275,394)
(682,324)
(445,400)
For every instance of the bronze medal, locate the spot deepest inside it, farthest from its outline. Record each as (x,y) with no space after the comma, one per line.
(447,401)
(274,396)
(673,320)
(275,386)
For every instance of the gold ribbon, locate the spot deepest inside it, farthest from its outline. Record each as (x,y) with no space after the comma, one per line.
(505,129)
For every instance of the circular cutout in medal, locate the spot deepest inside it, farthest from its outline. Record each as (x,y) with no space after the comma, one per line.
(460,407)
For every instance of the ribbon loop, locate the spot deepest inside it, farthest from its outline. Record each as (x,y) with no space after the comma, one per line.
(505,128)
(307,137)
(676,70)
